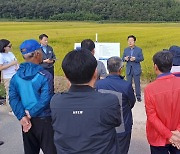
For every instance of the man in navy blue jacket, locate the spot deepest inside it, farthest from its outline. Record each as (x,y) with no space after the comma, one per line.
(48,54)
(114,82)
(133,56)
(48,57)
(30,92)
(175,50)
(84,120)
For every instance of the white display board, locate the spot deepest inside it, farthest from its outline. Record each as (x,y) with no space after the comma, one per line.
(103,50)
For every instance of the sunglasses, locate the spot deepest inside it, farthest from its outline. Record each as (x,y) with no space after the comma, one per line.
(9,46)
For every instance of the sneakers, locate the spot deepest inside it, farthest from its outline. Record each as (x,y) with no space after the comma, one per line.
(11,113)
(1,142)
(139,99)
(2,101)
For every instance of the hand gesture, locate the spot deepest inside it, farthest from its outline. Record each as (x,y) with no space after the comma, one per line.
(47,61)
(26,124)
(175,139)
(27,113)
(15,62)
(132,58)
(16,67)
(126,58)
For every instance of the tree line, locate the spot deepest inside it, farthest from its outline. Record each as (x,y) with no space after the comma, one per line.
(117,10)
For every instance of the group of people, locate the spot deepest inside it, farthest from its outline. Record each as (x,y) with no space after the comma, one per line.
(94,116)
(9,64)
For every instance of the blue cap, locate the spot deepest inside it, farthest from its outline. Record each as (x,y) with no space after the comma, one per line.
(29,46)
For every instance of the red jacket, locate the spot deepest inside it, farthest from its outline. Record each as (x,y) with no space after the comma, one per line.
(162,103)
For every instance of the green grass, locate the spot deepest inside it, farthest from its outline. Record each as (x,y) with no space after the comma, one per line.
(151,37)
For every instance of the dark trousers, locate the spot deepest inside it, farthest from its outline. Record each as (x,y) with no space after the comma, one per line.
(168,149)
(136,82)
(51,70)
(124,143)
(40,136)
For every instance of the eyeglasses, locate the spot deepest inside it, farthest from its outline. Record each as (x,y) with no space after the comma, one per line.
(9,46)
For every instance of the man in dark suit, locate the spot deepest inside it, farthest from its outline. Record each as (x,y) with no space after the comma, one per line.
(133,56)
(49,57)
(48,54)
(84,120)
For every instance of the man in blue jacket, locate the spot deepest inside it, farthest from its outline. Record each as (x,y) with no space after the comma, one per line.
(48,57)
(84,120)
(48,54)
(133,56)
(30,92)
(114,82)
(175,50)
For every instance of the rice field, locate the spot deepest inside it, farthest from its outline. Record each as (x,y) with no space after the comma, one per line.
(151,37)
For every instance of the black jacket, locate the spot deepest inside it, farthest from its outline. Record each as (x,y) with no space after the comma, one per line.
(84,121)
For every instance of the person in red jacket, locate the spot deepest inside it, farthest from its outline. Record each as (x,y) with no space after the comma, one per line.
(162,103)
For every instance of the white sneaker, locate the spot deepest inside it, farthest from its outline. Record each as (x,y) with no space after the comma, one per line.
(11,113)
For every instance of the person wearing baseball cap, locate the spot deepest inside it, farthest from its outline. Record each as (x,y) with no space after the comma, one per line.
(30,92)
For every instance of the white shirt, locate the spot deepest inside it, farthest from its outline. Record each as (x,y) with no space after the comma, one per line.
(6,58)
(175,69)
